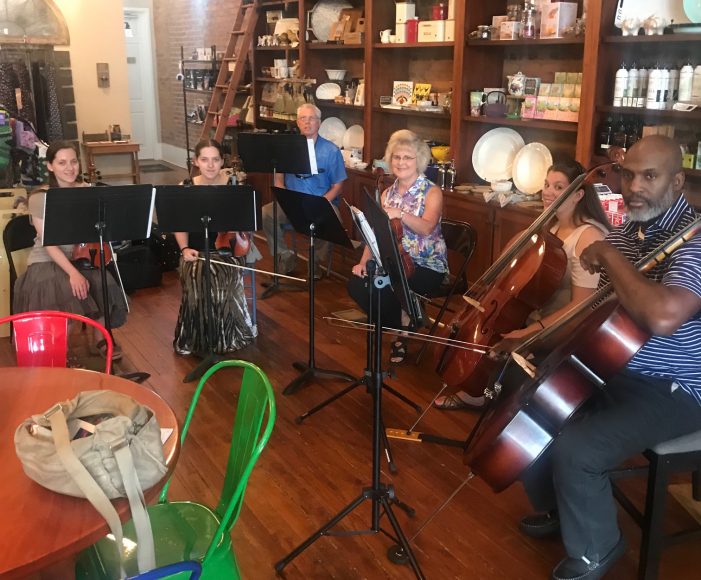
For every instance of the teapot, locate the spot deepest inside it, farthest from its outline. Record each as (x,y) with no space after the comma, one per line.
(654,25)
(516,83)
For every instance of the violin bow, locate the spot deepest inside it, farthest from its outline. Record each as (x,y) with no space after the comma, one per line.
(252,269)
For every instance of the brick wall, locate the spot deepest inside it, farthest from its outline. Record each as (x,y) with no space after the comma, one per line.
(191,24)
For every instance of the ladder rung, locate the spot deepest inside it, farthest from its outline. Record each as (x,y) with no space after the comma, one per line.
(238,32)
(230,58)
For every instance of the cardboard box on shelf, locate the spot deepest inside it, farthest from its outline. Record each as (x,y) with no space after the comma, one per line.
(551,108)
(544,89)
(509,30)
(497,20)
(528,108)
(400,32)
(404,11)
(432,31)
(557,19)
(541,106)
(449,30)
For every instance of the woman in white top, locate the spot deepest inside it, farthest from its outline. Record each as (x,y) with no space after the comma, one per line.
(579,222)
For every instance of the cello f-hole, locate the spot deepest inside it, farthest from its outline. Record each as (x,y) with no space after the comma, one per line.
(486,326)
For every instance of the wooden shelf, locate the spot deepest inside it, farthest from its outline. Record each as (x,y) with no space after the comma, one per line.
(574,40)
(396,45)
(288,80)
(201,91)
(333,105)
(324,46)
(275,48)
(545,124)
(654,39)
(410,113)
(276,120)
(694,115)
(270,3)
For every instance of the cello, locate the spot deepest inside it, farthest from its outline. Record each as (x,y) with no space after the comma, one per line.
(590,346)
(522,280)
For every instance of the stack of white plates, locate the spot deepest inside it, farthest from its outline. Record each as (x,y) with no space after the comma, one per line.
(494,153)
(531,167)
(354,137)
(333,129)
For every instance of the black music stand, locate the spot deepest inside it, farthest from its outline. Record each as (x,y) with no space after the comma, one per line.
(381,495)
(312,215)
(205,208)
(366,379)
(274,153)
(75,215)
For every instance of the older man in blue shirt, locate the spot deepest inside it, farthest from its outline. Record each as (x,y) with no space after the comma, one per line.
(657,397)
(327,182)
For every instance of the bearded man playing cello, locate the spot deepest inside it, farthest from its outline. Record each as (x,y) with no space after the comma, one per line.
(657,397)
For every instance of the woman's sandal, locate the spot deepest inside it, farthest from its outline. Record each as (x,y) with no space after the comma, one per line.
(101,347)
(453,403)
(399,351)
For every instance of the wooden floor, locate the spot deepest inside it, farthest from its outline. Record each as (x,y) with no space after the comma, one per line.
(310,471)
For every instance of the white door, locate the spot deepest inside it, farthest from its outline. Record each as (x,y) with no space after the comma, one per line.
(142,92)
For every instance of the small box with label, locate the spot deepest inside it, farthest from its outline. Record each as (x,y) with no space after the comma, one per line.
(404,11)
(509,30)
(540,107)
(528,108)
(557,19)
(432,31)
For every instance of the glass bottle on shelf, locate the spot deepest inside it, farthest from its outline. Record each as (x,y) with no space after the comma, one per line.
(619,134)
(528,19)
(605,136)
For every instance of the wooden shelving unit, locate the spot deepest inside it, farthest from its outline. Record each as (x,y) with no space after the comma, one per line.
(525,123)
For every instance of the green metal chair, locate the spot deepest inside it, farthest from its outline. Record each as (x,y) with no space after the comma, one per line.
(186,530)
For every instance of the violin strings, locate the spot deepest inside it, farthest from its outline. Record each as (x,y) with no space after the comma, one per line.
(417,335)
(253,269)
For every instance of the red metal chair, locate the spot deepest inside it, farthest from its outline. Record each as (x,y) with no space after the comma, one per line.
(41,337)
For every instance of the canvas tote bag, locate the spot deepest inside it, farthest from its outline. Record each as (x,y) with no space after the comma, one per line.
(123,457)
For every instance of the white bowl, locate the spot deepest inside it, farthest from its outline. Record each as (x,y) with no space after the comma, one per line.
(501,186)
(336,74)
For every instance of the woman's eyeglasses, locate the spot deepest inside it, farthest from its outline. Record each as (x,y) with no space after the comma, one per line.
(404,158)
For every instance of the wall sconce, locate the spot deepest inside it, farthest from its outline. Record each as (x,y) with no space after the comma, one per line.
(103,75)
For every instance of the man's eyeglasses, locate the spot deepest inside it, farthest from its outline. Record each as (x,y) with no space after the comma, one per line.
(404,158)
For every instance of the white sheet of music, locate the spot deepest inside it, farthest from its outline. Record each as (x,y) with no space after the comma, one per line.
(312,157)
(367,233)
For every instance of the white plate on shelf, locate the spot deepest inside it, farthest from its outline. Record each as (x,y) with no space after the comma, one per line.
(692,9)
(333,129)
(354,137)
(530,167)
(328,91)
(494,153)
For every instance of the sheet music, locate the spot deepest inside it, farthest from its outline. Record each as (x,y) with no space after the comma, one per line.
(312,157)
(366,232)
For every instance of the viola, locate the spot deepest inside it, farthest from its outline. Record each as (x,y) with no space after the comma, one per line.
(85,255)
(522,280)
(233,243)
(588,348)
(398,232)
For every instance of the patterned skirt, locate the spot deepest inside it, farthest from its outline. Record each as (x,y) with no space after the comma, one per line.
(45,286)
(230,316)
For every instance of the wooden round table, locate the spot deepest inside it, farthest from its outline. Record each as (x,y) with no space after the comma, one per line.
(39,527)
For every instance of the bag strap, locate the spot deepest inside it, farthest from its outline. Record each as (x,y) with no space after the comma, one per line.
(83,479)
(146,553)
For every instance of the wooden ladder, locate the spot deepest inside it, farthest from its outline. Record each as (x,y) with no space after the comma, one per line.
(237,52)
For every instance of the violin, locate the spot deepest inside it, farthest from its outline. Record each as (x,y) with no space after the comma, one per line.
(235,244)
(522,280)
(398,232)
(85,255)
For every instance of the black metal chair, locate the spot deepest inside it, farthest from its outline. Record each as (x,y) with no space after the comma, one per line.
(18,234)
(679,455)
(460,239)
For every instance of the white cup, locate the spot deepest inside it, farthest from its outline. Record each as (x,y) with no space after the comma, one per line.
(385,35)
(392,38)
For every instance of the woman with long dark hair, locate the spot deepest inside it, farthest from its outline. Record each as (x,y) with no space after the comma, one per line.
(233,328)
(579,222)
(52,281)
